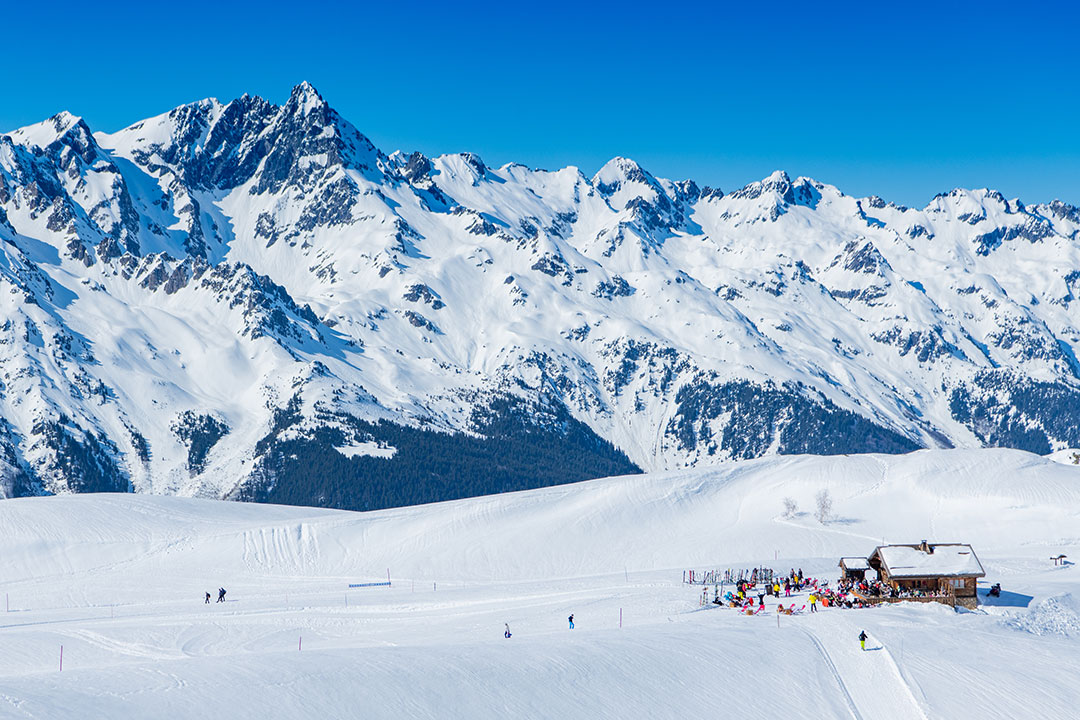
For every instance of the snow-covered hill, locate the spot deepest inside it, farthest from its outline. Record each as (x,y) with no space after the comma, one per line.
(252,301)
(118,581)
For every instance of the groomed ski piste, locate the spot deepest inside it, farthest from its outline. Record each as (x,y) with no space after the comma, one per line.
(119,581)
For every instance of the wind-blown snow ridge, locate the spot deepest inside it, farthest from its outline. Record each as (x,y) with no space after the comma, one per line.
(213,299)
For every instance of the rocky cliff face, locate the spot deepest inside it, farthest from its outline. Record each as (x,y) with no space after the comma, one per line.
(249,300)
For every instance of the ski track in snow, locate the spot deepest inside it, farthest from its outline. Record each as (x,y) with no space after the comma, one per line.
(871,674)
(831,666)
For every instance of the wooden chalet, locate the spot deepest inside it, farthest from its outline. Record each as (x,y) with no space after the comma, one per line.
(853,568)
(946,571)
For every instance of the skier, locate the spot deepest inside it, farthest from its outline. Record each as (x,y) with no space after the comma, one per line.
(207,598)
(507,633)
(571,619)
(813,602)
(862,639)
(221,595)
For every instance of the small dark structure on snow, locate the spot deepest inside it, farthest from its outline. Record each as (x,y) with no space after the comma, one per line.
(853,568)
(945,572)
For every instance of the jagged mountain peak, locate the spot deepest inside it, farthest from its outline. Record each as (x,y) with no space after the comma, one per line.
(306,98)
(415,167)
(621,170)
(1063,211)
(777,179)
(463,164)
(679,324)
(64,128)
(625,185)
(777,184)
(965,199)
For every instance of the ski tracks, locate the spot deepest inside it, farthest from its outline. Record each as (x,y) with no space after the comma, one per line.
(870,681)
(289,548)
(827,659)
(117,646)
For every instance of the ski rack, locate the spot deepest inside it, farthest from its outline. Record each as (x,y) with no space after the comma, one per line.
(729,576)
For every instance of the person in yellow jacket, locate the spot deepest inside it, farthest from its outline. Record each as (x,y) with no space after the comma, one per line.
(813,602)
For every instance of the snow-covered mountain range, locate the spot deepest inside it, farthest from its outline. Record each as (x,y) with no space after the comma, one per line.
(253,301)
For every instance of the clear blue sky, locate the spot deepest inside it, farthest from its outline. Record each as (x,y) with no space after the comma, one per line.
(899,99)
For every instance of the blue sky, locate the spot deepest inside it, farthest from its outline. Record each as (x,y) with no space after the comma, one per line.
(900,100)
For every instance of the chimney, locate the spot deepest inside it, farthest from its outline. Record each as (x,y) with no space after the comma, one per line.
(925,547)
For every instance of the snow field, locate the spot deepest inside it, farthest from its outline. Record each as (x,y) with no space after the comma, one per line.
(118,580)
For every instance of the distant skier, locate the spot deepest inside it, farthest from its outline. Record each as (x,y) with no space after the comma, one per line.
(862,639)
(207,598)
(571,619)
(813,602)
(507,633)
(221,595)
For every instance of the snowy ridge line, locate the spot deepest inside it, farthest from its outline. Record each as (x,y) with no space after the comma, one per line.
(213,301)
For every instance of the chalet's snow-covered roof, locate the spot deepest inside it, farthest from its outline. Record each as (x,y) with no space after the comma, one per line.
(946,560)
(855,563)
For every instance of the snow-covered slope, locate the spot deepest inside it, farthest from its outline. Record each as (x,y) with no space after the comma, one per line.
(118,581)
(214,301)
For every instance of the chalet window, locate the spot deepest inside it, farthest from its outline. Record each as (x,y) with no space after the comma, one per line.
(958,583)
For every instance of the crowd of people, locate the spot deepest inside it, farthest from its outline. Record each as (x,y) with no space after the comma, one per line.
(878,589)
(750,595)
(760,586)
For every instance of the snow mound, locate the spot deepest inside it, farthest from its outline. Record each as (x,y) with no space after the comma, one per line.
(1057,615)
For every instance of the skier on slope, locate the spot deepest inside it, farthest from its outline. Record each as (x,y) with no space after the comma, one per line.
(507,633)
(221,595)
(862,639)
(571,619)
(207,598)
